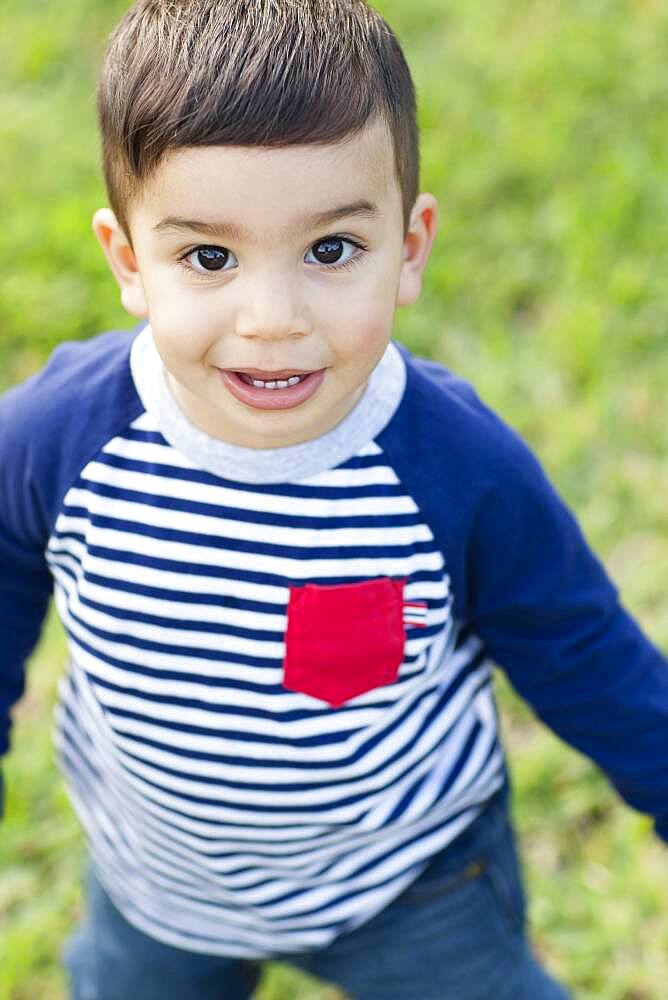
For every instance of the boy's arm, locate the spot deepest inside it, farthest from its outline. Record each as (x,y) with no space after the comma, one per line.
(50,427)
(550,616)
(25,587)
(25,582)
(525,580)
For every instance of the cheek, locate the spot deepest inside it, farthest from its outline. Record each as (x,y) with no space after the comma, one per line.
(183,325)
(368,295)
(369,316)
(362,336)
(172,297)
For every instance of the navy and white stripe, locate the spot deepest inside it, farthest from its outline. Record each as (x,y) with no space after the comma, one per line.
(225,813)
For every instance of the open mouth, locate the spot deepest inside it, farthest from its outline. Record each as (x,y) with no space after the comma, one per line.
(276,390)
(272,383)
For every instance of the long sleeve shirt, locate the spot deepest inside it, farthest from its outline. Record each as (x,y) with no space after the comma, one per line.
(277,705)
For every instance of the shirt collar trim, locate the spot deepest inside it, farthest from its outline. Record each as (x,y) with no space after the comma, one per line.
(372,413)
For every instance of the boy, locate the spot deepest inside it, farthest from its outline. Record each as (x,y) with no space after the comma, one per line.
(285,550)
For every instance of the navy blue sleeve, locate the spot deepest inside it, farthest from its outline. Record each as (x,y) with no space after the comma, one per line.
(549,615)
(525,580)
(25,582)
(50,426)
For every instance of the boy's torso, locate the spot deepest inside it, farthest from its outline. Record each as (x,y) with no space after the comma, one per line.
(271,718)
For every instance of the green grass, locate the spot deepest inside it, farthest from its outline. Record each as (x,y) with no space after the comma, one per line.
(545,129)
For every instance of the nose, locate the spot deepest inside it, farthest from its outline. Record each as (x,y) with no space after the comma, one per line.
(272,308)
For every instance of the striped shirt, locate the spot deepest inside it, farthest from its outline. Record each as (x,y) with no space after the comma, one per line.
(277,705)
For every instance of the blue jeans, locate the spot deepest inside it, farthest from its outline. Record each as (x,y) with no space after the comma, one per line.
(457,933)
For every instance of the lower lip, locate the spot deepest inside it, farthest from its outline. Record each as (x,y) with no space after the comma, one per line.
(272,399)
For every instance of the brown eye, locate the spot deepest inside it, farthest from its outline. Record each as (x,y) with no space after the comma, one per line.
(211,259)
(328,251)
(335,251)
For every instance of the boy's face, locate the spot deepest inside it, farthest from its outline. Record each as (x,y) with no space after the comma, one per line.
(271,265)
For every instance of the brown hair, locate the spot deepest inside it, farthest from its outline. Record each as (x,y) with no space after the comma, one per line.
(249,73)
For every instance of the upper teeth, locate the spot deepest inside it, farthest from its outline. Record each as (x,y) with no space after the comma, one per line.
(278,384)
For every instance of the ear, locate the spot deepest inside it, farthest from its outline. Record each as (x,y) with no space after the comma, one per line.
(418,242)
(122,261)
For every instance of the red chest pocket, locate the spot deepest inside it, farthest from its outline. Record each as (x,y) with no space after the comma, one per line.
(344,639)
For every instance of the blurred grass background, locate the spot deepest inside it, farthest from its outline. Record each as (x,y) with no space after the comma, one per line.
(545,136)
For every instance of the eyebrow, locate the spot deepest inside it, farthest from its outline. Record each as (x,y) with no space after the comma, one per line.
(362,209)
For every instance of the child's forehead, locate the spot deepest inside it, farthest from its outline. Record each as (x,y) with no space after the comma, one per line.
(292,186)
